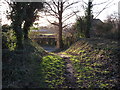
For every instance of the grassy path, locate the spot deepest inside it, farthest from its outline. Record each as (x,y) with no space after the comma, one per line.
(70,79)
(89,63)
(92,63)
(86,64)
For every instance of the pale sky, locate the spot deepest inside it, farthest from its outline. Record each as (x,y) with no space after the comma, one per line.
(112,7)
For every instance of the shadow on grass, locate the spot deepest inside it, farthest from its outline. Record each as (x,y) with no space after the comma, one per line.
(21,68)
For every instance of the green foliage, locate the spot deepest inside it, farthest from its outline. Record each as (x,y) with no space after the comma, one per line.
(33,28)
(68,41)
(80,26)
(95,62)
(21,68)
(23,13)
(53,69)
(109,29)
(8,40)
(86,73)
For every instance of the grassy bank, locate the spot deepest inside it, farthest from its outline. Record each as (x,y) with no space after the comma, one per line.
(21,68)
(31,67)
(96,63)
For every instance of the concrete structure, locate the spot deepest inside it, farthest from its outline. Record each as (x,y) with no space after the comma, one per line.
(46,37)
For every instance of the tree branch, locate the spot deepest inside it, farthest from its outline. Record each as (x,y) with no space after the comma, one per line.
(101,3)
(49,13)
(51,22)
(51,8)
(67,25)
(54,3)
(84,2)
(70,15)
(103,9)
(69,5)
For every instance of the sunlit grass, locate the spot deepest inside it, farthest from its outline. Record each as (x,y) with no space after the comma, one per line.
(53,69)
(93,63)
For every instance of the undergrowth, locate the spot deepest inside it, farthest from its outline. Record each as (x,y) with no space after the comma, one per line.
(21,68)
(31,67)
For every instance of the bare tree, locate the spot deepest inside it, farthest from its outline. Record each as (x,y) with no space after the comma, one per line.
(107,4)
(56,8)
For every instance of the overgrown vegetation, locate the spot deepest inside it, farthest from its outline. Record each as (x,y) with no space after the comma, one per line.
(21,68)
(96,63)
(109,28)
(29,67)
(26,64)
(81,27)
(22,15)
(8,38)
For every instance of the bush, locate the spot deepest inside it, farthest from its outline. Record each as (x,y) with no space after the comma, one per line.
(21,68)
(8,39)
(80,26)
(109,29)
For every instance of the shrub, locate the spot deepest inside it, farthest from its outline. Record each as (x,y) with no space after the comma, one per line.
(8,38)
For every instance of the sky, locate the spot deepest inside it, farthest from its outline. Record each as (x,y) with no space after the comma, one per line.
(112,7)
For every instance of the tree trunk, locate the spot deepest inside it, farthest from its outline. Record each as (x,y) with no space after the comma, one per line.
(25,30)
(18,30)
(19,37)
(17,17)
(87,33)
(59,41)
(59,37)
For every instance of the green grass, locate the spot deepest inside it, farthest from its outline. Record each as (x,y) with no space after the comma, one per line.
(53,70)
(95,62)
(32,67)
